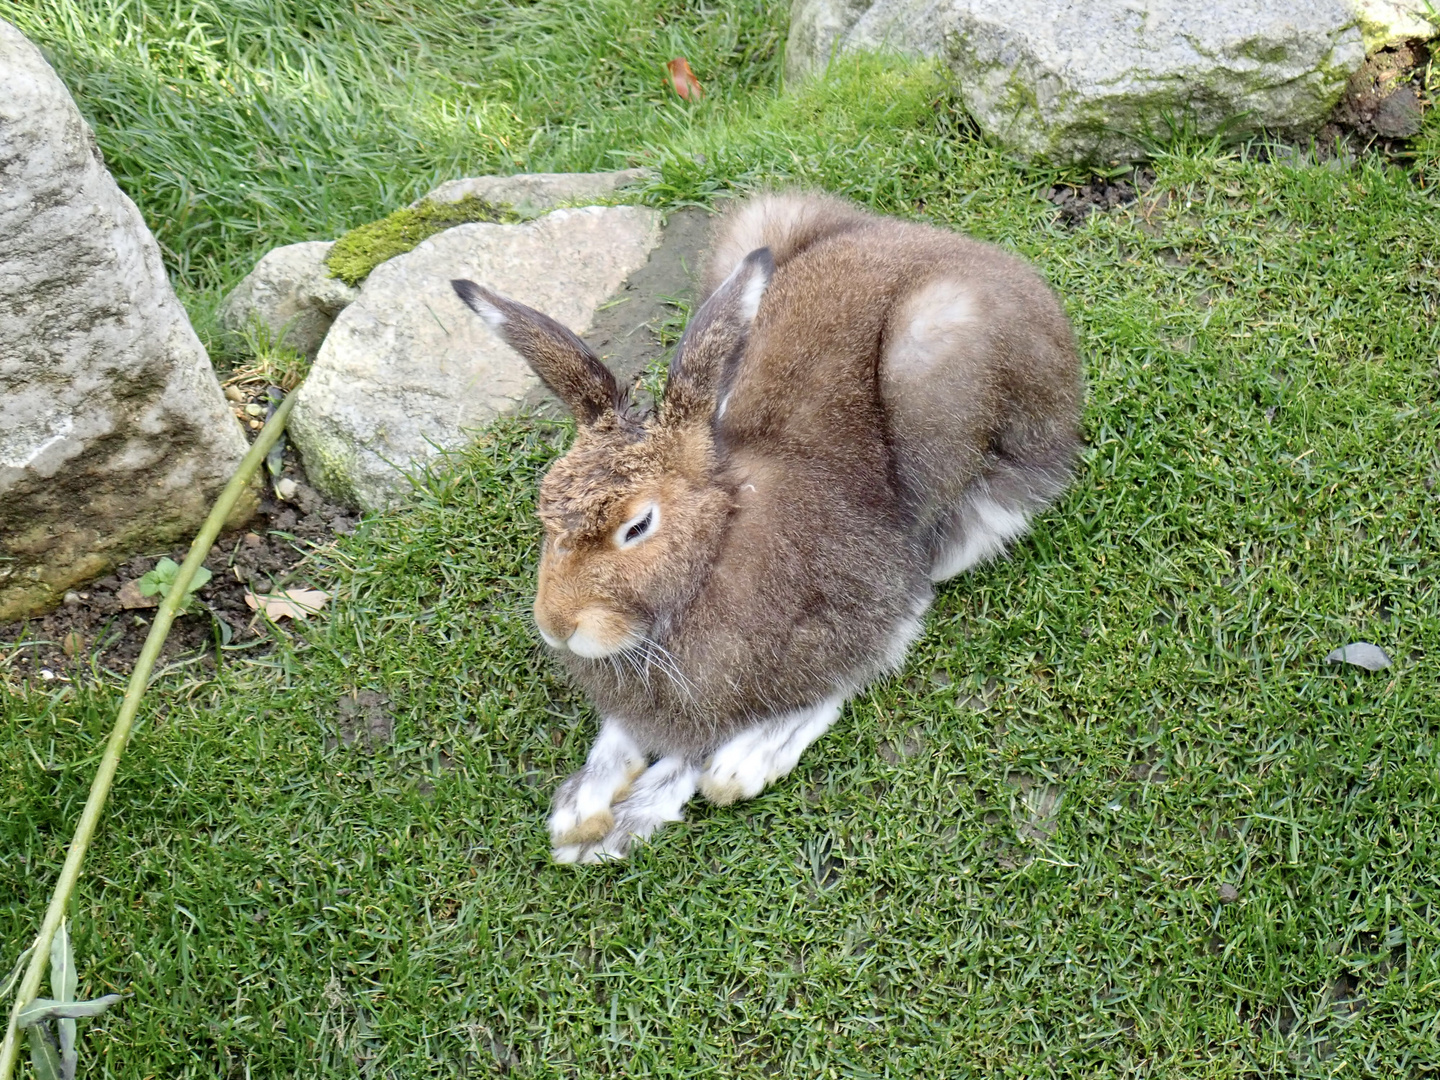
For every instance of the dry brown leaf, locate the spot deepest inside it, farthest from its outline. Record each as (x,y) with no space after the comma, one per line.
(288,603)
(132,599)
(684,80)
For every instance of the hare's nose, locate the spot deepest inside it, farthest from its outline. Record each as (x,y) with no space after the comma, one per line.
(555,631)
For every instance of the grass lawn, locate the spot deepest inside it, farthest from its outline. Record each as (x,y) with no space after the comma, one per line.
(1116,818)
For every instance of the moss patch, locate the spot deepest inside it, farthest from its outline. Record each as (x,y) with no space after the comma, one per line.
(361,250)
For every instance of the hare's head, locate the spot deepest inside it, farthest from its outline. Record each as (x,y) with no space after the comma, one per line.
(633,511)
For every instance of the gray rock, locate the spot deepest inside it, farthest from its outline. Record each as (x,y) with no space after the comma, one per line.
(817,29)
(407,371)
(1071,81)
(1385,22)
(114,435)
(291,294)
(532,194)
(1398,116)
(628,331)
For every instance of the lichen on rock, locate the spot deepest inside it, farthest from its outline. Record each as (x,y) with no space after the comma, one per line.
(362,249)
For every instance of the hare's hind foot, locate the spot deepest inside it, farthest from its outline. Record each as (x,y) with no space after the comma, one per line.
(581,811)
(978,530)
(744,766)
(657,796)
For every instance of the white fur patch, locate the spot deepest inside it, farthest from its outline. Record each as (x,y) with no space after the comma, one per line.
(987,527)
(599,633)
(583,643)
(658,796)
(743,767)
(493,316)
(933,317)
(906,630)
(753,292)
(652,512)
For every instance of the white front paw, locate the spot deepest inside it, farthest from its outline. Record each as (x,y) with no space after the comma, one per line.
(738,770)
(581,810)
(657,797)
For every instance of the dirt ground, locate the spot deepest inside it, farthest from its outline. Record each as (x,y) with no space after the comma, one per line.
(1384,100)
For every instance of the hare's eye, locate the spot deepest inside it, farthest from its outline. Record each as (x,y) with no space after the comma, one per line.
(636,529)
(639,529)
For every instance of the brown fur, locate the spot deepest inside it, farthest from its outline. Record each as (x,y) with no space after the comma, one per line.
(812,469)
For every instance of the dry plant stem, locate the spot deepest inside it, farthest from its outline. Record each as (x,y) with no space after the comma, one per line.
(120,734)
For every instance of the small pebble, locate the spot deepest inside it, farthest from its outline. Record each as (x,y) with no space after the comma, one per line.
(256,425)
(234,393)
(72,599)
(46,674)
(1228,893)
(286,488)
(255,409)
(252,540)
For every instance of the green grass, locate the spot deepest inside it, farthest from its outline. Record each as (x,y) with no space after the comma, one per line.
(238,125)
(1008,860)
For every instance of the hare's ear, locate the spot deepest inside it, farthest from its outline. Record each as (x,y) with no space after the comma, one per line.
(564,363)
(709,352)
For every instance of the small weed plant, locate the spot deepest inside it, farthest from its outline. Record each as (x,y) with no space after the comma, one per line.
(159,581)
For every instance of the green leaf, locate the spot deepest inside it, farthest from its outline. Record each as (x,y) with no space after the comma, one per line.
(63,983)
(151,583)
(224,629)
(167,568)
(14,976)
(44,1058)
(47,1009)
(63,980)
(275,459)
(69,1056)
(202,575)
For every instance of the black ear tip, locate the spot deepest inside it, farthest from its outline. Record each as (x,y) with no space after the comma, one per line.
(467,291)
(763,259)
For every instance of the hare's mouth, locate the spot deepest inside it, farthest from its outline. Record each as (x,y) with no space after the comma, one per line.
(597,633)
(582,643)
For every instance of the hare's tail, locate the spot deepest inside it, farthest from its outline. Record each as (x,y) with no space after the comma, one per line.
(786,224)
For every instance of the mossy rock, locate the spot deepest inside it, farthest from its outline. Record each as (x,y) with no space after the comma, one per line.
(361,250)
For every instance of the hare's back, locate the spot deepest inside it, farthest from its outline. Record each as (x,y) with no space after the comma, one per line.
(883,343)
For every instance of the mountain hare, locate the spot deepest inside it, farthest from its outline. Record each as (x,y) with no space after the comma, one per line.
(861,407)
